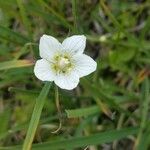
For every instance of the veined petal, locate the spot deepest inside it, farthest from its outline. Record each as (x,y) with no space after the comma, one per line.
(84,65)
(67,81)
(42,70)
(74,44)
(48,47)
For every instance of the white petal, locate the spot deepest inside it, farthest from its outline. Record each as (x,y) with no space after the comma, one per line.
(42,70)
(74,44)
(48,47)
(84,65)
(68,81)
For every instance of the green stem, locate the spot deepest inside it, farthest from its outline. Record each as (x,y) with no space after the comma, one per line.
(58,109)
(75,16)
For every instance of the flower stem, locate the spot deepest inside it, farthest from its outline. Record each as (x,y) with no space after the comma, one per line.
(58,109)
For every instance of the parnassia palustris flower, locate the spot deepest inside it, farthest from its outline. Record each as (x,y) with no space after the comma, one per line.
(64,63)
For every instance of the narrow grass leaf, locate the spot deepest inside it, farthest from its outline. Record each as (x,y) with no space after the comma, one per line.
(82,112)
(146,102)
(56,14)
(12,36)
(76,142)
(24,17)
(15,64)
(36,116)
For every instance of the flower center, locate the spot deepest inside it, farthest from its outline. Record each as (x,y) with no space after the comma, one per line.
(62,64)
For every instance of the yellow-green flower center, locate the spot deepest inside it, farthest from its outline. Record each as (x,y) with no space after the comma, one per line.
(62,64)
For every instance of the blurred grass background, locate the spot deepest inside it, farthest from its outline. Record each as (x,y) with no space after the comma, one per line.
(110,108)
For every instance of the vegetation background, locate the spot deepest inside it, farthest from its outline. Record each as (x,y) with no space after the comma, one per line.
(109,109)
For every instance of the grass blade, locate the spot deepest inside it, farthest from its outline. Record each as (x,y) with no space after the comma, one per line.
(15,64)
(146,102)
(74,11)
(95,139)
(24,16)
(36,117)
(57,15)
(12,36)
(82,112)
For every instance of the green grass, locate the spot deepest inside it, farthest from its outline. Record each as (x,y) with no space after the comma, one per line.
(110,107)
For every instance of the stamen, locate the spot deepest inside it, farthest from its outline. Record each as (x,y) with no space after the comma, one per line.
(62,64)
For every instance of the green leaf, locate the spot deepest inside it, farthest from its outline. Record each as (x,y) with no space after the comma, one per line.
(75,16)
(12,36)
(4,120)
(145,106)
(36,116)
(82,112)
(24,17)
(24,126)
(76,142)
(99,93)
(15,64)
(121,55)
(119,58)
(56,14)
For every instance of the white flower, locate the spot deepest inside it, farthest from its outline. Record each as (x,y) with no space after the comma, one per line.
(64,63)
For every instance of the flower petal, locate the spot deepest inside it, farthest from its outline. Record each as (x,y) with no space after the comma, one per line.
(42,70)
(74,44)
(84,65)
(67,81)
(48,47)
